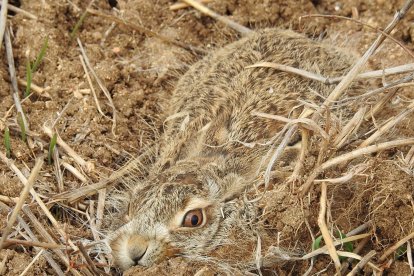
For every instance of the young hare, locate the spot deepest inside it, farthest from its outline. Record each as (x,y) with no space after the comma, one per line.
(214,146)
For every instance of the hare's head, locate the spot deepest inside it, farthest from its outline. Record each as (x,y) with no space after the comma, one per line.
(186,210)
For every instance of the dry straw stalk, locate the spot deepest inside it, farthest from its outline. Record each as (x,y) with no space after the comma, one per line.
(22,198)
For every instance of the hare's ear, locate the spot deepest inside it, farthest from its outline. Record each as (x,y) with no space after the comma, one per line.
(227,188)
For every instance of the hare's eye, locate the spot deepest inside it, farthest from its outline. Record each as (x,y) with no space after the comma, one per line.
(193,218)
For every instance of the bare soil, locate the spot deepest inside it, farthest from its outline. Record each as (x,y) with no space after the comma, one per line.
(140,72)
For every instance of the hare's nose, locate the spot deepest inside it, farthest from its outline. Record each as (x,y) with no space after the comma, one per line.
(137,247)
(137,255)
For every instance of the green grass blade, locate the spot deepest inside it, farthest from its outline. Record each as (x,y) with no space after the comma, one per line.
(52,147)
(78,25)
(41,55)
(317,243)
(348,247)
(7,142)
(22,126)
(401,251)
(28,79)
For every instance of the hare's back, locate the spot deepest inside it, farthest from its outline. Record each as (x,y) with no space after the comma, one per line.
(222,91)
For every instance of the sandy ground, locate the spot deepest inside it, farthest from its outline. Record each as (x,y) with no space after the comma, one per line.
(139,72)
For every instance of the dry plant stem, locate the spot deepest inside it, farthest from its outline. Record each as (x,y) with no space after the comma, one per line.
(324,229)
(92,266)
(290,69)
(303,151)
(349,156)
(410,156)
(365,24)
(42,231)
(35,196)
(362,263)
(410,257)
(94,229)
(310,268)
(393,248)
(107,33)
(325,143)
(12,72)
(13,167)
(8,199)
(33,238)
(87,166)
(384,267)
(278,152)
(303,122)
(88,78)
(3,19)
(28,235)
(356,257)
(380,104)
(347,80)
(101,85)
(385,128)
(101,208)
(360,229)
(45,245)
(407,68)
(10,110)
(235,26)
(23,195)
(90,215)
(350,128)
(74,171)
(19,10)
(178,6)
(394,84)
(85,271)
(75,195)
(89,245)
(148,32)
(36,88)
(32,262)
(359,247)
(58,171)
(61,113)
(343,179)
(401,85)
(258,255)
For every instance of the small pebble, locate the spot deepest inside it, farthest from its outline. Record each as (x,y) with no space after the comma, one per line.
(97,35)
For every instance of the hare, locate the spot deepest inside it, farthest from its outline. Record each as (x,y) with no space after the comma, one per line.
(214,147)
